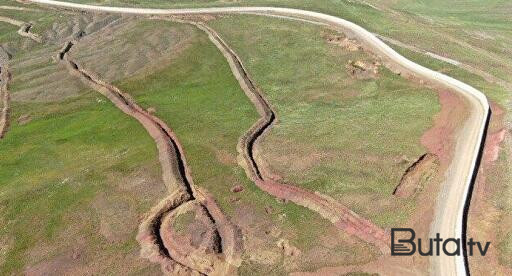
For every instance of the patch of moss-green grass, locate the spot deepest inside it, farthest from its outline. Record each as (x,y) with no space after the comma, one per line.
(52,167)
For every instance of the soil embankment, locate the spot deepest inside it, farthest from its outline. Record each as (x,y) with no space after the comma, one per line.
(417,175)
(327,207)
(4,99)
(24,29)
(4,93)
(176,176)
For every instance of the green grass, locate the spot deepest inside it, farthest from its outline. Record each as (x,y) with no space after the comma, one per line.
(181,222)
(7,32)
(54,166)
(204,136)
(505,247)
(202,102)
(358,127)
(449,22)
(494,92)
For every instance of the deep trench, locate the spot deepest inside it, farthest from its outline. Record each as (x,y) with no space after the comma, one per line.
(409,170)
(157,222)
(264,123)
(269,117)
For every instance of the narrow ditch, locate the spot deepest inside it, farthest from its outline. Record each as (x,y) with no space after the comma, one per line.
(5,75)
(411,181)
(176,175)
(327,207)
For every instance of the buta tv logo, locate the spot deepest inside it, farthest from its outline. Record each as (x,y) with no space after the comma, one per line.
(407,246)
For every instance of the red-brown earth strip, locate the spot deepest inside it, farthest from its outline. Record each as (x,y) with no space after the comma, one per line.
(327,207)
(4,98)
(176,177)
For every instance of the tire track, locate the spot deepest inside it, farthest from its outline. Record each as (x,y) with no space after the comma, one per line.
(338,214)
(176,177)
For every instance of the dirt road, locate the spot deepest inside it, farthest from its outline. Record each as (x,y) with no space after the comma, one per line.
(450,216)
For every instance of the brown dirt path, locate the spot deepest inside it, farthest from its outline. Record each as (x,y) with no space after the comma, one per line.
(5,76)
(177,178)
(327,207)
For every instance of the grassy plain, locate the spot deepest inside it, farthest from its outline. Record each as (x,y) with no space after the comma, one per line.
(335,134)
(54,171)
(74,179)
(203,103)
(474,32)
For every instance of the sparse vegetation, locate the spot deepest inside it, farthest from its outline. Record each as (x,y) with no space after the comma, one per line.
(182,221)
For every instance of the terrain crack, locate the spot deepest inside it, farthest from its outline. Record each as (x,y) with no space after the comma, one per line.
(417,175)
(177,178)
(327,207)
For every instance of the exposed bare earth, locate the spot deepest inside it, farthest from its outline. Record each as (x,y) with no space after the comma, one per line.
(487,219)
(449,221)
(417,175)
(327,207)
(4,99)
(178,181)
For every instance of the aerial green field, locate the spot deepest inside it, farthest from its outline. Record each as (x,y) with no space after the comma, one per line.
(333,132)
(7,31)
(480,41)
(77,175)
(200,99)
(67,160)
(97,189)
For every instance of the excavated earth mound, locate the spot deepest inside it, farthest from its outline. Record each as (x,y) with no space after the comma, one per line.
(417,175)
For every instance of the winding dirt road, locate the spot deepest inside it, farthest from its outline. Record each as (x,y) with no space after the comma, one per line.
(453,202)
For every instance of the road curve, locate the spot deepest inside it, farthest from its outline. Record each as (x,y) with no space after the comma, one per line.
(453,202)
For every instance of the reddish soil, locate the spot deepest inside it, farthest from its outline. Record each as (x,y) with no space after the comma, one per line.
(496,136)
(485,218)
(437,142)
(197,247)
(439,139)
(328,208)
(176,177)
